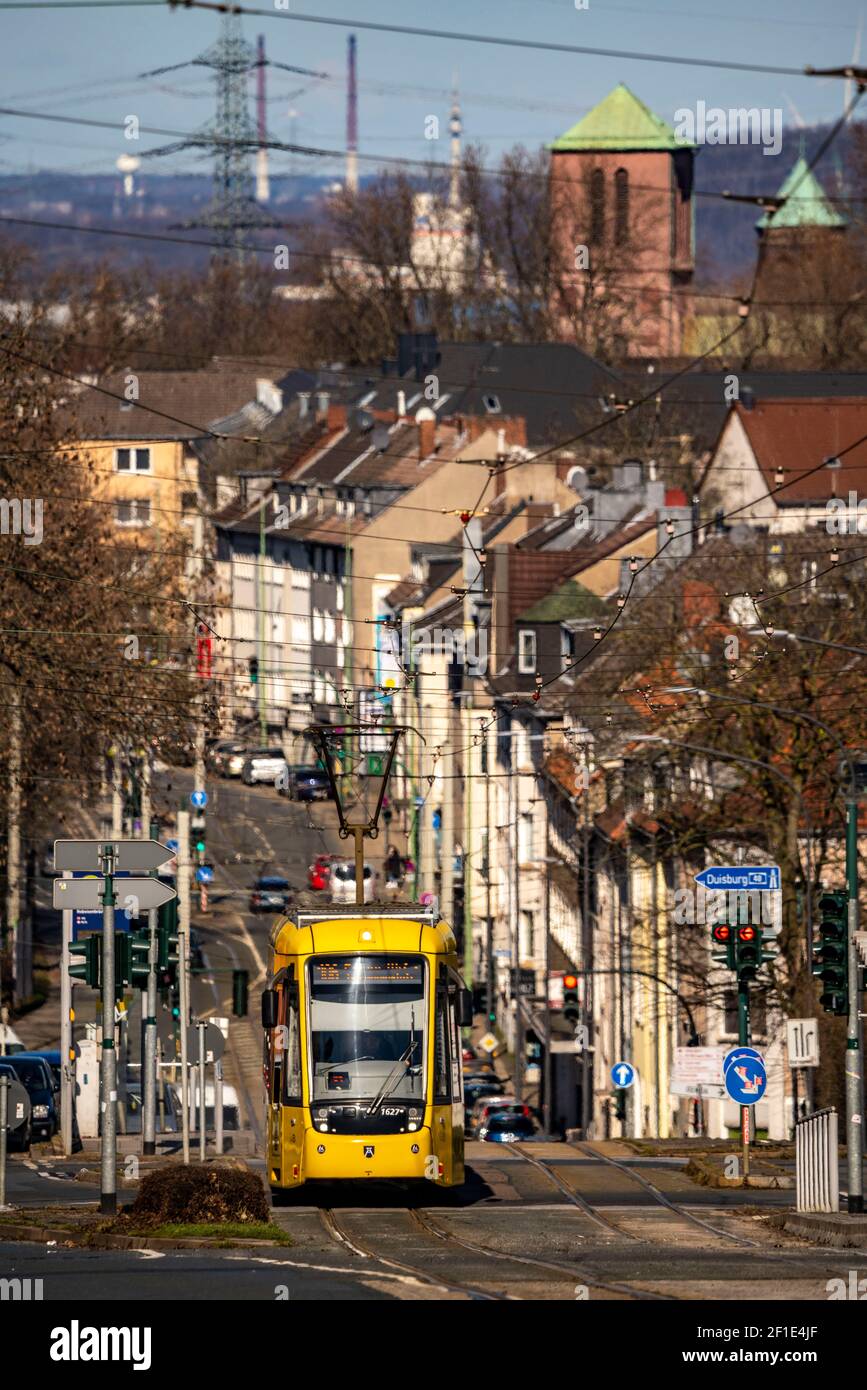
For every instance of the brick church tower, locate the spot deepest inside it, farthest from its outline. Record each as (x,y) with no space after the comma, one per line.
(621,187)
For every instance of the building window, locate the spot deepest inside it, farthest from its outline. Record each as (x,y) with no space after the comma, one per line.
(300,579)
(346,632)
(597,206)
(527,652)
(132,460)
(492,404)
(133,511)
(339,597)
(621,207)
(318,624)
(329,633)
(300,631)
(188,501)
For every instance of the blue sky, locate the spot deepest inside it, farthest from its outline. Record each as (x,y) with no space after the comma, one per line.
(86,63)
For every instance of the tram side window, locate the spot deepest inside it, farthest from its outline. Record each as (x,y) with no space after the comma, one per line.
(442,1093)
(278,1051)
(292,1076)
(455,1039)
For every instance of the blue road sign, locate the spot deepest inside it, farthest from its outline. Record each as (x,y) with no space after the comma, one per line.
(92,921)
(204,874)
(763,878)
(199,800)
(622,1074)
(746,1080)
(173,845)
(739,1052)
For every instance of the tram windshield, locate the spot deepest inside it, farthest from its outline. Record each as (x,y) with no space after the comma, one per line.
(367,1017)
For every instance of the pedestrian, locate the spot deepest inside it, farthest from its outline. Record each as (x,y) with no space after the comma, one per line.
(393,871)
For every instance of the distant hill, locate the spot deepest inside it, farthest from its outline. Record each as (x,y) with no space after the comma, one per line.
(725,232)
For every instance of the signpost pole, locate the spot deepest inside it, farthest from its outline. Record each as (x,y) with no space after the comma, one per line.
(744,1039)
(854,1062)
(108,1061)
(218,1106)
(67,1089)
(149,1058)
(183,964)
(4,1116)
(201,1028)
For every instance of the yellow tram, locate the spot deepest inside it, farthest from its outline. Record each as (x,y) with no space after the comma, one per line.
(363,1047)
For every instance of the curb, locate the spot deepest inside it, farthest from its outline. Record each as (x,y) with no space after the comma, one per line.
(704,1174)
(104,1241)
(835,1231)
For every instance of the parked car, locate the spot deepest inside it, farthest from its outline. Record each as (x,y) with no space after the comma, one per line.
(16,1139)
(476,1090)
(508,1129)
(53,1061)
(270,894)
(264,765)
(308,784)
(230,760)
(488,1106)
(342,881)
(217,751)
(36,1077)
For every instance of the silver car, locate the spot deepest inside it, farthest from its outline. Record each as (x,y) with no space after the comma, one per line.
(265,765)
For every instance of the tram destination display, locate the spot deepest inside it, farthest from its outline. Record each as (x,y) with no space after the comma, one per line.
(368,970)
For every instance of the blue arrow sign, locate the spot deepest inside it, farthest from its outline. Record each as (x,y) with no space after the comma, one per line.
(746,1080)
(622,1074)
(199,800)
(173,845)
(204,875)
(763,878)
(740,1052)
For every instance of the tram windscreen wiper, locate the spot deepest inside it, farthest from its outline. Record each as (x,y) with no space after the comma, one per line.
(393,1076)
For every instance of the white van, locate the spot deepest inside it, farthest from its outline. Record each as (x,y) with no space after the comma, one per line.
(231,1106)
(342,881)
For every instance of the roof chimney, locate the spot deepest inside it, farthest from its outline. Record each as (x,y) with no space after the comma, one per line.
(303,404)
(401,405)
(427,432)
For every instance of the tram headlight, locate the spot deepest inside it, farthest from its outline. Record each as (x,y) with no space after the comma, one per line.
(412,1125)
(324,1129)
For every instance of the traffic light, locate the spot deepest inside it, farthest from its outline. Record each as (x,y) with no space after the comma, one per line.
(200,845)
(723,937)
(139,951)
(87,969)
(253,664)
(571,1007)
(748,951)
(240,981)
(831,952)
(167,943)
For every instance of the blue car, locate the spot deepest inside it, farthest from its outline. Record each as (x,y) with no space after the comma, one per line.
(508,1129)
(37,1078)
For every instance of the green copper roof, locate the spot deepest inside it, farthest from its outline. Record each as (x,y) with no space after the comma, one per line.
(620,122)
(571,600)
(808,205)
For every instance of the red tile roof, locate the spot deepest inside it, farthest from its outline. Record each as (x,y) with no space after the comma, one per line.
(798,435)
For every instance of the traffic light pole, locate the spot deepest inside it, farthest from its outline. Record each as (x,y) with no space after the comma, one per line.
(183,828)
(854,1059)
(149,1056)
(108,1059)
(744,1040)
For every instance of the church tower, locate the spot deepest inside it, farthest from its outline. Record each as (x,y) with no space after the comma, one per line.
(621,199)
(805,228)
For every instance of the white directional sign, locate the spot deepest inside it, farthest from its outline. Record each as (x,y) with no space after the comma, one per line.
(130,893)
(802,1042)
(489,1042)
(698,1071)
(130,856)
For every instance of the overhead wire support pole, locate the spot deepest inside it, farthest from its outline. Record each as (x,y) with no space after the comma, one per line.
(854,1048)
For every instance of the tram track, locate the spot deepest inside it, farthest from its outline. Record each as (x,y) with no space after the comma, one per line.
(359,1248)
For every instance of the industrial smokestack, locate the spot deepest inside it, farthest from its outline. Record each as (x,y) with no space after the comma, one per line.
(351,119)
(263,185)
(455,130)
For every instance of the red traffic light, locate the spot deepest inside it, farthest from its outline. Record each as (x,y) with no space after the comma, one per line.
(570,981)
(746,933)
(722,932)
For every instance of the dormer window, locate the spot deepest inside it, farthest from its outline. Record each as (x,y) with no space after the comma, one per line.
(527,651)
